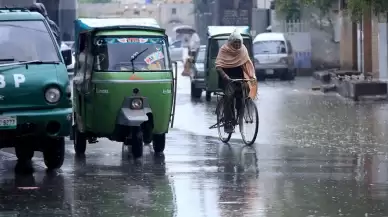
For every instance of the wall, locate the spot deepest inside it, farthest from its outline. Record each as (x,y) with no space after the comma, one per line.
(324,37)
(383,50)
(348,52)
(260,20)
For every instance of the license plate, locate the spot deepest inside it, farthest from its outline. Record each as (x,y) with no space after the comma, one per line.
(269,71)
(8,122)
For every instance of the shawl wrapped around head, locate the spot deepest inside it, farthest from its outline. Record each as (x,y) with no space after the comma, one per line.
(228,57)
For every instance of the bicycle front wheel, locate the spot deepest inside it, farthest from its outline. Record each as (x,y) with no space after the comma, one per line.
(224,137)
(249,122)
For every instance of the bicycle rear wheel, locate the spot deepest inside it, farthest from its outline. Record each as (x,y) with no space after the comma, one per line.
(224,137)
(249,120)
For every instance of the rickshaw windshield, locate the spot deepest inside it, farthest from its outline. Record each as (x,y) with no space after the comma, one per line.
(217,44)
(115,54)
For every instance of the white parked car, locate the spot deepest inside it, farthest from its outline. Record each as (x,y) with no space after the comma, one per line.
(176,51)
(274,56)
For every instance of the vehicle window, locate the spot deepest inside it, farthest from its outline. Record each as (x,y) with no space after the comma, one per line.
(269,47)
(27,41)
(201,56)
(80,64)
(115,53)
(177,44)
(217,44)
(290,49)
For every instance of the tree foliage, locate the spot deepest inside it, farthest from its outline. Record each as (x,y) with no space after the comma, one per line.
(288,9)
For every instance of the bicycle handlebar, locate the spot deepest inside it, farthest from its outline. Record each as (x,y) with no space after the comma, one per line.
(237,80)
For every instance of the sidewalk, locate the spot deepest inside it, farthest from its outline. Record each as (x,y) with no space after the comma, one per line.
(351,84)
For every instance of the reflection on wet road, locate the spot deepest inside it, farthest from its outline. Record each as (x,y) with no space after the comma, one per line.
(316,155)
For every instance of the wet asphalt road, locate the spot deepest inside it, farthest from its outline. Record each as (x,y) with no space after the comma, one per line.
(316,156)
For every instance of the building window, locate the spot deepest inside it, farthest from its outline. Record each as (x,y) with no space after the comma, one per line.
(136,12)
(173,11)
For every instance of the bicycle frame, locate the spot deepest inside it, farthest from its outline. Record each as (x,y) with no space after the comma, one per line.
(222,95)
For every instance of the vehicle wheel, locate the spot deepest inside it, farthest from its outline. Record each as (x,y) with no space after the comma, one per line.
(250,118)
(289,75)
(79,141)
(24,152)
(221,123)
(136,141)
(159,142)
(54,153)
(208,96)
(260,78)
(195,92)
(147,137)
(147,133)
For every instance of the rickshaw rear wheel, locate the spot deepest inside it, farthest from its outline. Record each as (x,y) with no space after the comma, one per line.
(195,92)
(54,153)
(136,142)
(79,141)
(208,96)
(159,142)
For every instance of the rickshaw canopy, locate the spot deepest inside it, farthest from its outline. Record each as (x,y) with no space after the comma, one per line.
(90,24)
(184,29)
(224,30)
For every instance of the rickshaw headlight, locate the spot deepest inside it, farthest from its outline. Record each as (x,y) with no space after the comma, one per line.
(52,95)
(137,104)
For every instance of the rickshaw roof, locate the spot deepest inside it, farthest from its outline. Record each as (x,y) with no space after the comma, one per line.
(90,24)
(223,30)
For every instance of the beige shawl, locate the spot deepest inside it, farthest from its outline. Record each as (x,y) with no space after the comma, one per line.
(228,57)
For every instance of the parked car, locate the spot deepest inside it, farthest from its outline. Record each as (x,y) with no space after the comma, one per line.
(273,56)
(176,51)
(197,77)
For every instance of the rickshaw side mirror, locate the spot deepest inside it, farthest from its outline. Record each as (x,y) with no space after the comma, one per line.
(66,54)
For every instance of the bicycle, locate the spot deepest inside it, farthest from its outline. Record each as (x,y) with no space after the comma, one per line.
(246,114)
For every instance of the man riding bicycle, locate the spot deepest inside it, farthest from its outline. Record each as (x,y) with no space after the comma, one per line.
(233,62)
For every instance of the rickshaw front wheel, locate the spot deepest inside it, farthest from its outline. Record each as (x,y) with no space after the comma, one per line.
(159,142)
(79,141)
(54,152)
(136,142)
(24,152)
(208,96)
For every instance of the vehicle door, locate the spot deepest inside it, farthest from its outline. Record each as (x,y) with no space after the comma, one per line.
(176,51)
(79,84)
(89,88)
(212,77)
(78,80)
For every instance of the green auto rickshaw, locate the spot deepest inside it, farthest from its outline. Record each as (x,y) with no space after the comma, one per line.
(218,36)
(124,85)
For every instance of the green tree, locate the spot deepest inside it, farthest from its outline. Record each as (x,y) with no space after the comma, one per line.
(288,9)
(355,8)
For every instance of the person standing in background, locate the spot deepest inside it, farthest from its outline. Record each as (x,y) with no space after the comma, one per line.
(195,43)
